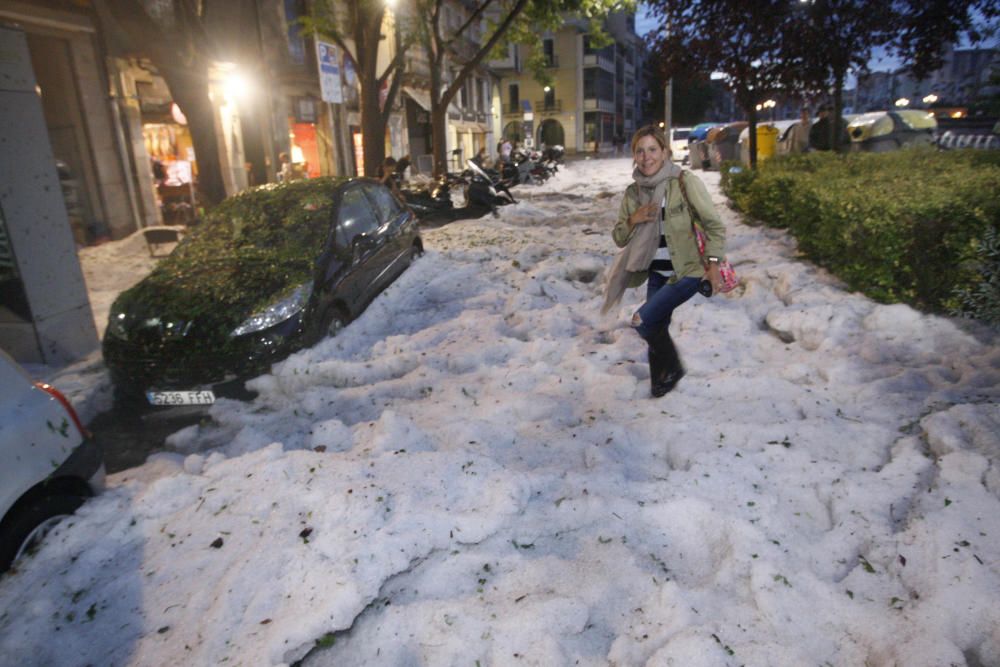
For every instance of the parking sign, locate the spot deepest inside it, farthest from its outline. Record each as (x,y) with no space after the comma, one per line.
(329,72)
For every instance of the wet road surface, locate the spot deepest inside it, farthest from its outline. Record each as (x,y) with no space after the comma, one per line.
(129,435)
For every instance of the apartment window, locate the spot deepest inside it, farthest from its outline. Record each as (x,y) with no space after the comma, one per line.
(607,52)
(515,97)
(480,95)
(598,84)
(550,98)
(549,48)
(296,44)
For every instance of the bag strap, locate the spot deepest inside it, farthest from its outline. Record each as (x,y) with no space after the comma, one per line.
(694,212)
(684,195)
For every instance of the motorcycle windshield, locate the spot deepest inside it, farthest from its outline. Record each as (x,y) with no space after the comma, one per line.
(475,169)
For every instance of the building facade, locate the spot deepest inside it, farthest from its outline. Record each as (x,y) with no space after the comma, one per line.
(118,148)
(594,96)
(960,82)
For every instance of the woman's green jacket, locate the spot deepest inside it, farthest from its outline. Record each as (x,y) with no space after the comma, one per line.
(680,237)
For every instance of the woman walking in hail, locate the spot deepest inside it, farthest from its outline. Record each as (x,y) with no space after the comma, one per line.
(659,247)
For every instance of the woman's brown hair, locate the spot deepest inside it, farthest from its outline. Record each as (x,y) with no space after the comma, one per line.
(651,131)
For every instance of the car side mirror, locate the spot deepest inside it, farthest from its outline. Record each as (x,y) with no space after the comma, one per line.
(361,243)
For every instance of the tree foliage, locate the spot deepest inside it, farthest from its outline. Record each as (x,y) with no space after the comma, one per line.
(744,40)
(925,28)
(811,47)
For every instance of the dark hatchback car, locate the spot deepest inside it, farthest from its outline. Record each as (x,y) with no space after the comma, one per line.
(271,271)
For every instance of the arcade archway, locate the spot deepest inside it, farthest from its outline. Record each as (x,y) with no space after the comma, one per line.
(551,133)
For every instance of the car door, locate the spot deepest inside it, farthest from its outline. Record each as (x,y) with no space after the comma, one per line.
(392,232)
(358,244)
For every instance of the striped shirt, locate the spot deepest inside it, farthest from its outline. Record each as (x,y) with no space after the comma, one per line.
(661,260)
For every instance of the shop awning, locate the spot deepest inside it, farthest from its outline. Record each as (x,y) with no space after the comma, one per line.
(421,97)
(467,126)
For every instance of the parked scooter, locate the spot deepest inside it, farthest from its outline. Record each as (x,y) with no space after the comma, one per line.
(483,190)
(483,194)
(433,200)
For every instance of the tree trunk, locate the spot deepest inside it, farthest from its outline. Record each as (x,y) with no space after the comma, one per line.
(752,129)
(189,88)
(367,35)
(439,124)
(372,129)
(838,103)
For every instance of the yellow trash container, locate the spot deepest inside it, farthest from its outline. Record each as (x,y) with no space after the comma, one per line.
(767,141)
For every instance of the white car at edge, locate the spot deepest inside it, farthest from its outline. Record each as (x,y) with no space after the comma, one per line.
(679,144)
(51,464)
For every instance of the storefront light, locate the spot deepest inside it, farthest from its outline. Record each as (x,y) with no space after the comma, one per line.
(235,85)
(177,114)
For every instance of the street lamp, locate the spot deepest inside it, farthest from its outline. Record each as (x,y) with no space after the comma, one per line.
(767,104)
(930,99)
(902,102)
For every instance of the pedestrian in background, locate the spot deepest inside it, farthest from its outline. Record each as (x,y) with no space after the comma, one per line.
(659,248)
(386,173)
(798,135)
(821,134)
(285,170)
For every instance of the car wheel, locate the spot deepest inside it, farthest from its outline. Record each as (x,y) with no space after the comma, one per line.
(335,323)
(24,530)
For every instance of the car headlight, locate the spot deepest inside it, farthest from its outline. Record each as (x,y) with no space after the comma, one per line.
(116,325)
(277,312)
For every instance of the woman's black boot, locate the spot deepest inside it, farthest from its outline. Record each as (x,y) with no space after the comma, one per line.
(667,370)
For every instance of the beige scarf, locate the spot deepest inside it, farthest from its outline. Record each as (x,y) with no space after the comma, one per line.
(641,247)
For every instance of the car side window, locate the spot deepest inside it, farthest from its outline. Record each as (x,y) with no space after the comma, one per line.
(387,206)
(355,217)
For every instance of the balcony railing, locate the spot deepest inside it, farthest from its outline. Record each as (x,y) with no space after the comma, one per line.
(550,106)
(552,60)
(512,108)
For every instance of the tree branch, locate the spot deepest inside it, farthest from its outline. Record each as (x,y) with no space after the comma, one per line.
(498,34)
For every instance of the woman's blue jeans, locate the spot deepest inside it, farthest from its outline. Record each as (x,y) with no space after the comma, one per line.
(661,300)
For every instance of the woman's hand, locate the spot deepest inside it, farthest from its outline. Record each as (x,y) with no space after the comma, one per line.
(714,276)
(643,214)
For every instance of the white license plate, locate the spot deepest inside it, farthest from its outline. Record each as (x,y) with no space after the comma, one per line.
(205,397)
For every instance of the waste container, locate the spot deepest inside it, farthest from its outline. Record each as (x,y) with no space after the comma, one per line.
(767,141)
(723,144)
(697,146)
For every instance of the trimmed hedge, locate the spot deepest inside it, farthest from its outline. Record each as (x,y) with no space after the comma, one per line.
(906,226)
